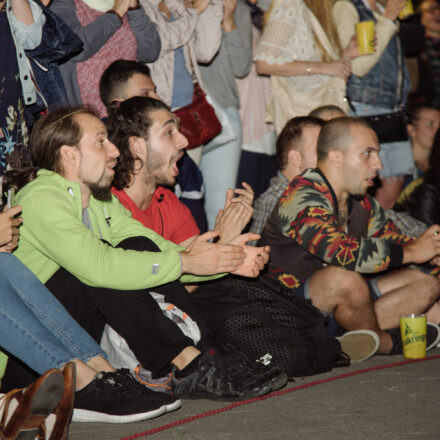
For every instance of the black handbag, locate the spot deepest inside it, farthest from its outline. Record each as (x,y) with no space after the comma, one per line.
(389,127)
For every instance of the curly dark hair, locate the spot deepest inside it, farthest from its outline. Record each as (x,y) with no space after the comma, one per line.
(131,118)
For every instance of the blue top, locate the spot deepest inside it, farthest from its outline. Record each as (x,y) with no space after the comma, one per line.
(387,84)
(182,82)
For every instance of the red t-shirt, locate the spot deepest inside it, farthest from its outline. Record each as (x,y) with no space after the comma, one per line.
(166,215)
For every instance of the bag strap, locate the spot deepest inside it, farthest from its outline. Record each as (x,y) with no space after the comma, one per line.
(400,61)
(191,65)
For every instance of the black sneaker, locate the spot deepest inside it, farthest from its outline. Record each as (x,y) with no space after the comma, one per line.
(118,398)
(213,379)
(432,335)
(432,338)
(271,375)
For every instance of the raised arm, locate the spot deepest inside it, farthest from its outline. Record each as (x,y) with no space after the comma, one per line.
(27,20)
(176,33)
(22,11)
(146,34)
(208,31)
(346,17)
(95,34)
(237,36)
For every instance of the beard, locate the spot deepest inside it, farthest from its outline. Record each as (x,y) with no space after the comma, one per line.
(102,193)
(154,170)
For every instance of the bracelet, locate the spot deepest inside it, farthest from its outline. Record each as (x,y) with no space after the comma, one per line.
(309,69)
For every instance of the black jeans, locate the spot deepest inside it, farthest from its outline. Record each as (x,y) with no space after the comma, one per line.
(134,314)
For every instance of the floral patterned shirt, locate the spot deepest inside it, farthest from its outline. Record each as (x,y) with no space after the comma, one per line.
(13,130)
(305,234)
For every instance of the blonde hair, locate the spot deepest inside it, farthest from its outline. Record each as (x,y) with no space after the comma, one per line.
(322,9)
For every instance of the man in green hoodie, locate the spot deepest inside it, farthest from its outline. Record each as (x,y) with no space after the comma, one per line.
(102,265)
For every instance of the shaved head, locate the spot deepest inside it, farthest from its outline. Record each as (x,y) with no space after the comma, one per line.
(336,135)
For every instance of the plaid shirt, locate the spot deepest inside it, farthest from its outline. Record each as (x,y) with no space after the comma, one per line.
(431,58)
(407,225)
(265,204)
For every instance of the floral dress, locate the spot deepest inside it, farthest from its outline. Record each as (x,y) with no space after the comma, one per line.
(14,151)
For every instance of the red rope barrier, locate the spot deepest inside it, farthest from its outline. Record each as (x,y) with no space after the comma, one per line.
(275,393)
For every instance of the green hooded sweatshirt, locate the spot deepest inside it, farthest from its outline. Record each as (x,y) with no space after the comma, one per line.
(53,236)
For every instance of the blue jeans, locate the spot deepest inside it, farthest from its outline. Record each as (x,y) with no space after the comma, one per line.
(220,168)
(34,326)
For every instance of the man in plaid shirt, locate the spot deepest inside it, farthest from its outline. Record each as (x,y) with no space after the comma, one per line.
(295,152)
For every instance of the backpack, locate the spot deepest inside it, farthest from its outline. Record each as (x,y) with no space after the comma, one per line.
(269,325)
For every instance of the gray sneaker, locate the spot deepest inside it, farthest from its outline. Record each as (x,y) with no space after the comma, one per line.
(359,344)
(161,384)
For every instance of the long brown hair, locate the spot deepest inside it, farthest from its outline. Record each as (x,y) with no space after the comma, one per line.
(51,132)
(48,135)
(322,9)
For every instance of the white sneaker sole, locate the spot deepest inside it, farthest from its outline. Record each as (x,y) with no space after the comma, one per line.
(84,415)
(359,344)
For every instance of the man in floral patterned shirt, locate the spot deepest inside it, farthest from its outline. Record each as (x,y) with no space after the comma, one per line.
(332,243)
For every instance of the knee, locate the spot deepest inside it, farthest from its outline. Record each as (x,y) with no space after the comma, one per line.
(341,286)
(351,287)
(431,287)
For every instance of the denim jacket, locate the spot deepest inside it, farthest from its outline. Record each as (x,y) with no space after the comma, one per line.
(58,41)
(26,37)
(387,84)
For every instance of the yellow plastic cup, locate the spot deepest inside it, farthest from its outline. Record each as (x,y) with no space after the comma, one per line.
(365,37)
(407,10)
(413,331)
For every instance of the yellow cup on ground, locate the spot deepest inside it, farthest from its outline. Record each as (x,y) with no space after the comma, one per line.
(413,331)
(365,37)
(407,10)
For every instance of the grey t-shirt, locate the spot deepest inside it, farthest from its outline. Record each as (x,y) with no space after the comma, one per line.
(234,59)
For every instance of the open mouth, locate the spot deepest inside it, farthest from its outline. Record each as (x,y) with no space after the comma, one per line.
(174,163)
(370,180)
(111,167)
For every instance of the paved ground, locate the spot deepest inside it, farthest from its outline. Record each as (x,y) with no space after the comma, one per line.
(398,403)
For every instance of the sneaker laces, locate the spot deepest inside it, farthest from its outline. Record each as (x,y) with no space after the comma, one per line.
(109,380)
(127,380)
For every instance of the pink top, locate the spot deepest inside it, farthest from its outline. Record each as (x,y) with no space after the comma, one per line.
(122,44)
